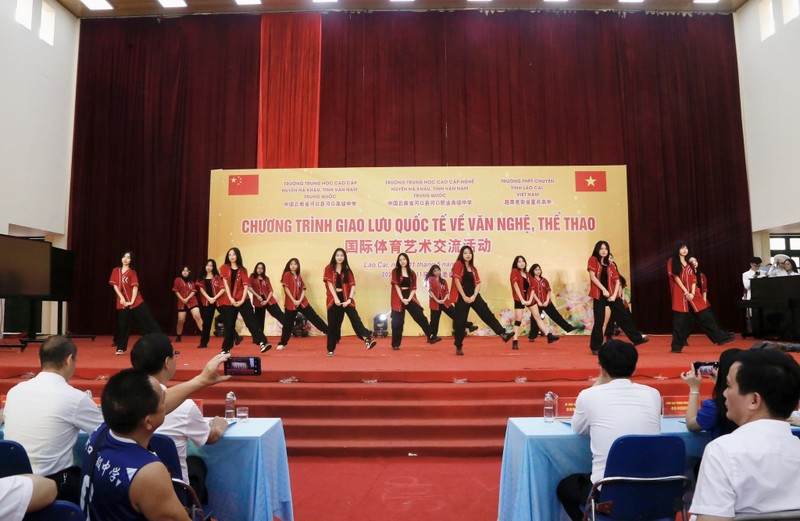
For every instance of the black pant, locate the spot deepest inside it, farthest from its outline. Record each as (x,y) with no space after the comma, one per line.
(229,314)
(207,314)
(336,317)
(436,314)
(460,318)
(399,320)
(573,491)
(619,314)
(143,317)
(555,316)
(68,484)
(311,316)
(261,315)
(682,324)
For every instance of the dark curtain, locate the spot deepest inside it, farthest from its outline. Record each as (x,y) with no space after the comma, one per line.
(288,125)
(658,93)
(160,103)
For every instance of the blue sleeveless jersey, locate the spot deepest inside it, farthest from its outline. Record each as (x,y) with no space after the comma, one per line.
(107,476)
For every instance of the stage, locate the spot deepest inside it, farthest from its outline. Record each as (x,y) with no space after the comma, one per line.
(422,399)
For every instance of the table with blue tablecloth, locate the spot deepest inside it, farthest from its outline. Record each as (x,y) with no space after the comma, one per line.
(248,471)
(537,455)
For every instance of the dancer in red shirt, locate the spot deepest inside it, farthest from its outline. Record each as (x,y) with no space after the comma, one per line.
(186,293)
(604,289)
(295,301)
(522,292)
(232,302)
(404,298)
(130,303)
(210,290)
(466,294)
(542,295)
(439,299)
(263,297)
(340,287)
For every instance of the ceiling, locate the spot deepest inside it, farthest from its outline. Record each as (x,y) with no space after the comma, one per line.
(127,8)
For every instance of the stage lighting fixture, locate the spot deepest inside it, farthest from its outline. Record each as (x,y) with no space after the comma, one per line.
(299,327)
(380,326)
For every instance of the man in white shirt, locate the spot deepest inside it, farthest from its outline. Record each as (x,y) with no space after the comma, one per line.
(45,415)
(24,493)
(753,273)
(614,406)
(755,468)
(155,355)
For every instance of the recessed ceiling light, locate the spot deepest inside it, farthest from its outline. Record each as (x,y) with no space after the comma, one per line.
(407,1)
(631,1)
(479,1)
(97,5)
(556,1)
(248,2)
(706,1)
(325,1)
(169,4)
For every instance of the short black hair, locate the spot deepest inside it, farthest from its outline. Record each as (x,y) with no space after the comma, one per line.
(127,398)
(772,374)
(755,260)
(618,358)
(150,351)
(55,350)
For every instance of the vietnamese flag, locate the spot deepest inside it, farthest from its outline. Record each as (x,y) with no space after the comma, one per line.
(594,181)
(243,184)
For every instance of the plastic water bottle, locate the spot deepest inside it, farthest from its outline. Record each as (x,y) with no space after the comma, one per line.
(230,406)
(549,406)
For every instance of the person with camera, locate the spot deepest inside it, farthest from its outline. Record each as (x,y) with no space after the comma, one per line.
(710,414)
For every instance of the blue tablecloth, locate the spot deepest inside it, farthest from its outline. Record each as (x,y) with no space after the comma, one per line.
(248,472)
(538,455)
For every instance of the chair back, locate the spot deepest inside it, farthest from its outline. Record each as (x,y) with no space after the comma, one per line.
(166,451)
(644,457)
(58,511)
(13,459)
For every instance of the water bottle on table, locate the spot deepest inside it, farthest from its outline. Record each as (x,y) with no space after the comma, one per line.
(230,406)
(550,404)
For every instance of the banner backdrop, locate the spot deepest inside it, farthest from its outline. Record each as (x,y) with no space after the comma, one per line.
(552,216)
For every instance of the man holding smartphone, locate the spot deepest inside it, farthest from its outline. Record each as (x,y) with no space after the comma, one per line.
(155,355)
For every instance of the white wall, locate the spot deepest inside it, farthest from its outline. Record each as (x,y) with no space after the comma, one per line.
(769,74)
(37,103)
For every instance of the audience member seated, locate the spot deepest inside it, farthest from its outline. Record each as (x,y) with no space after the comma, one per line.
(790,267)
(614,406)
(755,468)
(24,493)
(45,415)
(711,416)
(155,355)
(121,478)
(777,268)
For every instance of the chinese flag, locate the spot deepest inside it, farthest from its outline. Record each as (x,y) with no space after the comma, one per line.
(590,181)
(243,184)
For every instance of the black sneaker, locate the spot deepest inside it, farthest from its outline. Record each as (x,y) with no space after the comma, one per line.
(369,343)
(515,345)
(202,346)
(507,336)
(645,339)
(552,338)
(177,339)
(264,347)
(459,352)
(472,328)
(434,339)
(330,353)
(394,348)
(238,340)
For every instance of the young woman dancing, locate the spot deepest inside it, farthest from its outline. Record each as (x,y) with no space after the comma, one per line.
(234,301)
(604,289)
(439,300)
(295,301)
(340,287)
(263,297)
(210,289)
(130,303)
(542,295)
(688,303)
(186,293)
(466,294)
(522,292)
(404,298)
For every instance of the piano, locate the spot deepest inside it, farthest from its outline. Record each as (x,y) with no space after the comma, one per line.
(776,308)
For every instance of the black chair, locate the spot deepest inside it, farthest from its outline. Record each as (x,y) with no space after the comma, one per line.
(58,511)
(166,451)
(13,459)
(643,480)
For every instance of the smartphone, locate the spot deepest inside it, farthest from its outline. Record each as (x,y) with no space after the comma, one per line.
(705,368)
(243,366)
